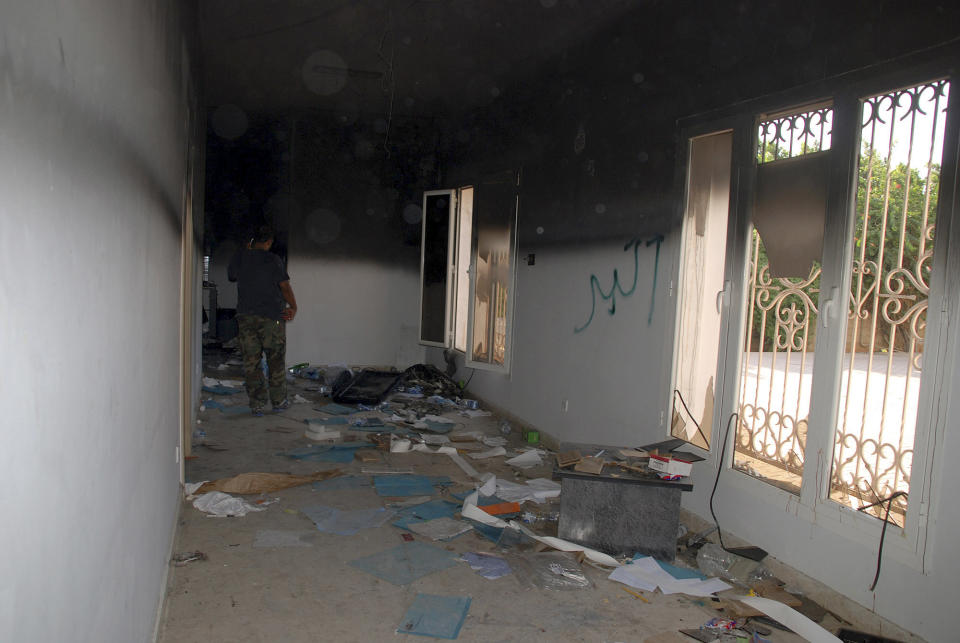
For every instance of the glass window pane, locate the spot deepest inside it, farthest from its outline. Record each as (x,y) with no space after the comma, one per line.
(464,234)
(899,177)
(494,218)
(434,268)
(701,278)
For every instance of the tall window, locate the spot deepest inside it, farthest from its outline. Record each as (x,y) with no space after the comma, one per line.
(827,303)
(467,270)
(783,295)
(895,228)
(701,288)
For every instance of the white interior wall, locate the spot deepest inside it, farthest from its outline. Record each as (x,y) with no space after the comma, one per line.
(219,260)
(92,150)
(360,313)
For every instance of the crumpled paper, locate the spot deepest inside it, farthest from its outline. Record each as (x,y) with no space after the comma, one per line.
(219,504)
(247,483)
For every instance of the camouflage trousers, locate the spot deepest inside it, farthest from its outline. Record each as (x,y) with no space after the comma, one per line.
(261,335)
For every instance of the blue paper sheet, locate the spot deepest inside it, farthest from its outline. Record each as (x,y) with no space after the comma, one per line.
(482,500)
(335,409)
(341,452)
(408,485)
(406,563)
(439,427)
(235,410)
(342,482)
(487,531)
(439,617)
(213,404)
(424,512)
(680,573)
(487,565)
(346,522)
(220,389)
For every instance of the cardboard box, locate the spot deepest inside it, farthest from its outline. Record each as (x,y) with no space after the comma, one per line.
(670,466)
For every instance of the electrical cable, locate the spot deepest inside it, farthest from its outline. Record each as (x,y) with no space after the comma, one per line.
(723,449)
(692,419)
(467,383)
(883,531)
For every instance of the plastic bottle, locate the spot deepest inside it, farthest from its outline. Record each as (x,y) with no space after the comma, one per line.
(505,427)
(714,560)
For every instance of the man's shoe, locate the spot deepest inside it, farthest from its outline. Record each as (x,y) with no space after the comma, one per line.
(282,406)
(257,411)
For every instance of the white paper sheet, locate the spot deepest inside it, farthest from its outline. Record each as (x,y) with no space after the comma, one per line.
(470,510)
(434,439)
(460,462)
(489,453)
(219,504)
(646,574)
(489,486)
(790,618)
(526,459)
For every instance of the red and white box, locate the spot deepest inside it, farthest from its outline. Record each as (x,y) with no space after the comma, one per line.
(670,466)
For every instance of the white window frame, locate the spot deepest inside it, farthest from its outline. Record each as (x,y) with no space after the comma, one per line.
(453,285)
(813,506)
(451,254)
(511,296)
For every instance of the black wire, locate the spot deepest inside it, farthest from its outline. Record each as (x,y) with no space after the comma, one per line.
(723,449)
(692,419)
(467,383)
(883,531)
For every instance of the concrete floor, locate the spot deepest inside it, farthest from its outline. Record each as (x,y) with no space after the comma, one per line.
(310,593)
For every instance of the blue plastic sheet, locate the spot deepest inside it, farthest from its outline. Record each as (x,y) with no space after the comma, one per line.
(406,562)
(213,404)
(408,485)
(487,565)
(439,617)
(425,511)
(346,522)
(482,500)
(680,573)
(235,410)
(489,532)
(335,409)
(342,452)
(220,389)
(439,427)
(369,423)
(342,482)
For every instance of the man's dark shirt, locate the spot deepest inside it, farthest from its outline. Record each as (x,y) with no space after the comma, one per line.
(258,274)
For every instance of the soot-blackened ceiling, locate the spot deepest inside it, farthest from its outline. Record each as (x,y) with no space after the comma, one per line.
(409,57)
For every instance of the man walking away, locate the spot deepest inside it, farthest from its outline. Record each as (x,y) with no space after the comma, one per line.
(265,303)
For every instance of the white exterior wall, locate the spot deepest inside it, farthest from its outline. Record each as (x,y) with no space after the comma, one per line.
(93,141)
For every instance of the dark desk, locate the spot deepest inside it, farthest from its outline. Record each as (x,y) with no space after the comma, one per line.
(621,515)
